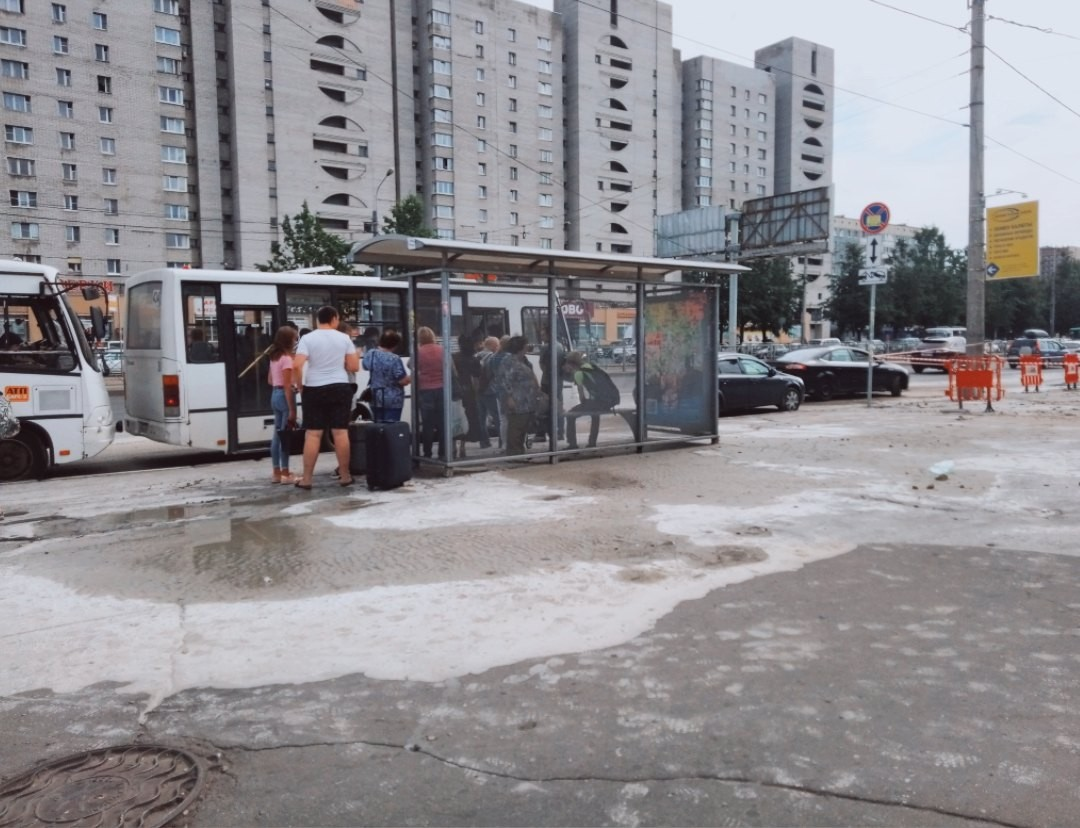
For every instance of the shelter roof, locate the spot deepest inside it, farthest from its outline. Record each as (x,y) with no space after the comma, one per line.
(418,254)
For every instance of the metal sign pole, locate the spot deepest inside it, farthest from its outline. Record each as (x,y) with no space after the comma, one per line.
(870,348)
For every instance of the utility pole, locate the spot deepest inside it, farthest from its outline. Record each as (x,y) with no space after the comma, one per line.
(976,283)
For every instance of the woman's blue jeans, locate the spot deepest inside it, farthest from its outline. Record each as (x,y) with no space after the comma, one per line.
(279,451)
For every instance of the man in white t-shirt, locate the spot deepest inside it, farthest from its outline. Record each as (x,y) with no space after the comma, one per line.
(324,358)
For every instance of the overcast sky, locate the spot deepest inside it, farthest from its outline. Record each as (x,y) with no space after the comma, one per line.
(902,93)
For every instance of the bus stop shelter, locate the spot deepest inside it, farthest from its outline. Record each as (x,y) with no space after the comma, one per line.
(665,311)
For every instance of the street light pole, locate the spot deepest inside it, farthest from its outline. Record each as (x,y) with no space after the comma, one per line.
(976,281)
(375,204)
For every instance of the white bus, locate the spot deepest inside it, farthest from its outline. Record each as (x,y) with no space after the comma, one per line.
(193,375)
(190,335)
(48,373)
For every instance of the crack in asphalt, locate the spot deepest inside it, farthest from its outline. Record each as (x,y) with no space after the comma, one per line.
(628,780)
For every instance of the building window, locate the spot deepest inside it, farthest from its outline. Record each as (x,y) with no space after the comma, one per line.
(543,44)
(479,28)
(481,145)
(544,111)
(442,67)
(162,34)
(762,154)
(67,140)
(171,95)
(513,152)
(104,84)
(546,200)
(481,168)
(20,167)
(440,42)
(101,53)
(105,114)
(63,77)
(511,35)
(442,18)
(174,125)
(59,44)
(174,155)
(72,233)
(18,134)
(511,81)
(544,134)
(442,139)
(168,65)
(513,126)
(167,6)
(112,267)
(442,116)
(761,189)
(59,13)
(482,191)
(480,98)
(174,183)
(26,230)
(511,58)
(545,178)
(23,199)
(100,21)
(16,103)
(14,69)
(176,212)
(444,188)
(442,211)
(480,74)
(547,156)
(439,90)
(445,164)
(513,173)
(481,122)
(112,235)
(108,176)
(513,218)
(544,88)
(111,206)
(704,181)
(762,117)
(482,216)
(177,241)
(70,172)
(704,85)
(15,37)
(513,195)
(544,67)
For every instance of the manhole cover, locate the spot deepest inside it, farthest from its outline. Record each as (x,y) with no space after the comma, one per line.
(143,785)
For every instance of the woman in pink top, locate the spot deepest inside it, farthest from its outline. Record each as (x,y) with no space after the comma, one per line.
(282,399)
(429,382)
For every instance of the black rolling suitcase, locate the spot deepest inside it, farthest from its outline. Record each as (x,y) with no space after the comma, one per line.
(358,448)
(389,454)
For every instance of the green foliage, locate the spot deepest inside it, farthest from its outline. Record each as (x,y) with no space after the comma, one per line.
(769,298)
(407,218)
(307,244)
(927,286)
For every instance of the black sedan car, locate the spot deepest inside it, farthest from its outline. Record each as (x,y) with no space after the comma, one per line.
(839,370)
(744,382)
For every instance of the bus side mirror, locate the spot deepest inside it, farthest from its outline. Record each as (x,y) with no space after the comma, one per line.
(97,320)
(90,293)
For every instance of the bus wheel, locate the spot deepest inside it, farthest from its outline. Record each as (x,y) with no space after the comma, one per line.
(22,457)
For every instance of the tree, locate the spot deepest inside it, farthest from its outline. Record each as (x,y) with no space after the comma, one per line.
(407,218)
(307,244)
(768,297)
(848,305)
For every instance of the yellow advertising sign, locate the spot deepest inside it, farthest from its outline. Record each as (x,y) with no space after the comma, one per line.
(1012,241)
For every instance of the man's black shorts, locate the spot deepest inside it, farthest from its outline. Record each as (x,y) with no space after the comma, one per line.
(327,406)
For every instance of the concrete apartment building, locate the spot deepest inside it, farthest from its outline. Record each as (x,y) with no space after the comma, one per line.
(180,132)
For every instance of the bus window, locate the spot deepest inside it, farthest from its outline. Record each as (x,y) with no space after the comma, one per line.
(201,322)
(373,312)
(35,337)
(302,303)
(144,316)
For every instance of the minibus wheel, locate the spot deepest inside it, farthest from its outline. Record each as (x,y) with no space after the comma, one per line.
(22,457)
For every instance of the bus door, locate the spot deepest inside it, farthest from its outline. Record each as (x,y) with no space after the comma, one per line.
(247,331)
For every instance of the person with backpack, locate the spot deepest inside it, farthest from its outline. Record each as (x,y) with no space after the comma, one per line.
(597,392)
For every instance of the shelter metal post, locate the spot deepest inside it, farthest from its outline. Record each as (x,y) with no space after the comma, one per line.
(447,442)
(553,370)
(639,365)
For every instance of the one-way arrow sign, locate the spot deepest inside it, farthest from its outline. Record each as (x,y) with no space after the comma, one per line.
(873,251)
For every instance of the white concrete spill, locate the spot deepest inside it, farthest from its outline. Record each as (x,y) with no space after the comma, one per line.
(59,639)
(472,501)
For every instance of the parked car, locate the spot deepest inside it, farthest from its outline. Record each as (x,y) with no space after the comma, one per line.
(839,370)
(938,351)
(744,382)
(1050,350)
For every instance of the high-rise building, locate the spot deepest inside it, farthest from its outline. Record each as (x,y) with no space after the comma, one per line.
(181,133)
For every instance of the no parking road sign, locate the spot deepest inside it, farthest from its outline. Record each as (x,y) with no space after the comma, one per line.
(874,218)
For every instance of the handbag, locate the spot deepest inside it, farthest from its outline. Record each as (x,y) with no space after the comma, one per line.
(9,423)
(459,421)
